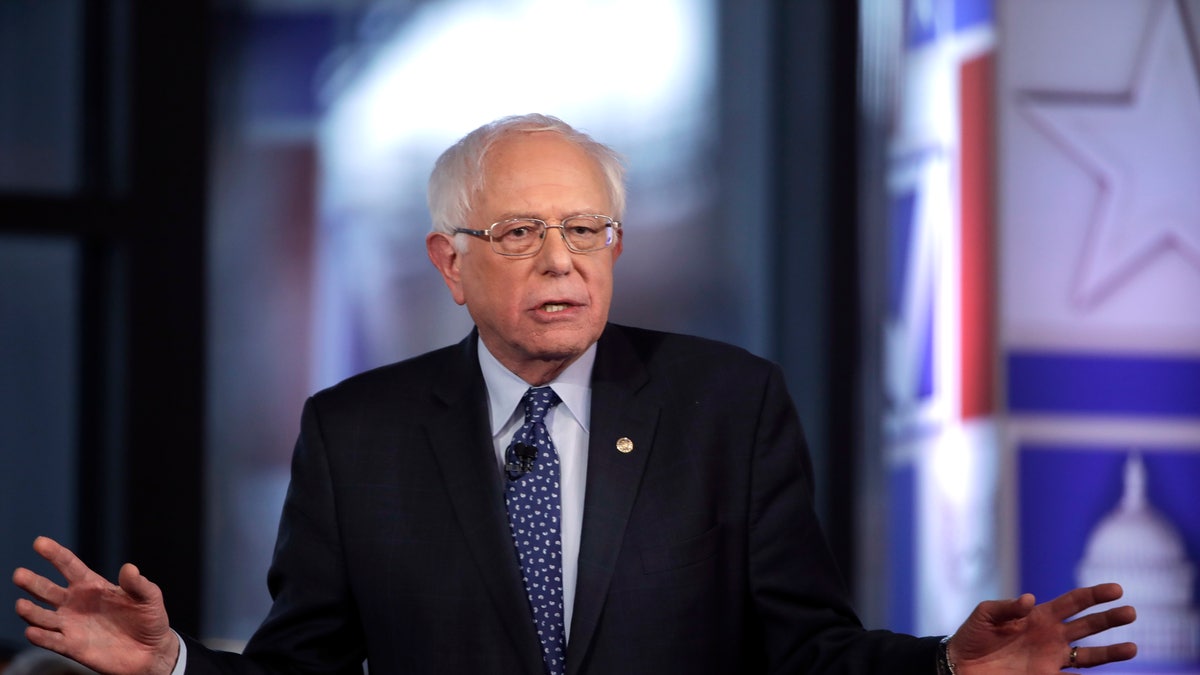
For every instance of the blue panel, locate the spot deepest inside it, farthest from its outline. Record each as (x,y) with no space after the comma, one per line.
(1066,490)
(928,351)
(927,21)
(1103,384)
(1063,493)
(902,227)
(971,13)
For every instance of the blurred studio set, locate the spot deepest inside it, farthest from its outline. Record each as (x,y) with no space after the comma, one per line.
(968,230)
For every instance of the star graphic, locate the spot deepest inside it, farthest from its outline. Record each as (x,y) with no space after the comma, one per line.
(1143,149)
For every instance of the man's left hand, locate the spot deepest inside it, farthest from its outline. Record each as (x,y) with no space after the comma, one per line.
(1020,636)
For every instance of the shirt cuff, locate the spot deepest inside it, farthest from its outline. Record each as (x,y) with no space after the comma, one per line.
(181,660)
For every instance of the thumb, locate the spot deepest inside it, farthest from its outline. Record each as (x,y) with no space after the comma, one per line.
(1002,611)
(137,586)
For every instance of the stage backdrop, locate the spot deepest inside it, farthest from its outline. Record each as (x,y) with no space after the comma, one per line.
(1042,326)
(1099,108)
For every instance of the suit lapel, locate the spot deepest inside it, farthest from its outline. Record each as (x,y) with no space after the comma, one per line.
(462,445)
(613,477)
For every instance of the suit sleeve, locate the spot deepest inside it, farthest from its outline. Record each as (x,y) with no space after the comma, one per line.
(313,624)
(807,622)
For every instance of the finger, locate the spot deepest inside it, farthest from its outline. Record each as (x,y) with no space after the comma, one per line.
(137,586)
(41,588)
(66,562)
(1075,601)
(46,639)
(1099,622)
(38,616)
(1090,657)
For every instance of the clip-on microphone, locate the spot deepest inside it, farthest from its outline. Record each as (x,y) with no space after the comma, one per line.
(520,460)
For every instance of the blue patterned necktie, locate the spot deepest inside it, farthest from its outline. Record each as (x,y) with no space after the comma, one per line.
(532,498)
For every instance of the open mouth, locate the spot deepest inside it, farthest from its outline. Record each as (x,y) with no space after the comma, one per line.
(553,307)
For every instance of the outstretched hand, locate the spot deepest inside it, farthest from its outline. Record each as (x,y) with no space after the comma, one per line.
(109,628)
(1018,636)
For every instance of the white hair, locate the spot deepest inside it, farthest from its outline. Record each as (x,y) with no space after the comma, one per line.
(458,175)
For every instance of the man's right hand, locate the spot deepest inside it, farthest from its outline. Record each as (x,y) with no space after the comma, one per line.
(117,629)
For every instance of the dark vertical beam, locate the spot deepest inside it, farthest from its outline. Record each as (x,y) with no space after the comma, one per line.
(95,120)
(816,271)
(844,314)
(165,252)
(95,523)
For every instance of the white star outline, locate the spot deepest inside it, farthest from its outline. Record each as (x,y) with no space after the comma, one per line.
(1143,149)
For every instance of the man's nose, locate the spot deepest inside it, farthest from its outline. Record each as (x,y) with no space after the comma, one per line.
(555,253)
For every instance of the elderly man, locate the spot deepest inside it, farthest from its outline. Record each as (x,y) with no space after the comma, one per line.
(553,494)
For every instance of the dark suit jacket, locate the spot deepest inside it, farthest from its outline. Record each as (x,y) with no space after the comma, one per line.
(700,549)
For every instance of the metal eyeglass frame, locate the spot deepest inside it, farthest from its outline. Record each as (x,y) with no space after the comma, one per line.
(487,233)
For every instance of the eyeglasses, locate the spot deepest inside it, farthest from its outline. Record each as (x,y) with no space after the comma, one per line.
(523,237)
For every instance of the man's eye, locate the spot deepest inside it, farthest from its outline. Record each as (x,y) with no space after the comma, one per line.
(518,233)
(583,230)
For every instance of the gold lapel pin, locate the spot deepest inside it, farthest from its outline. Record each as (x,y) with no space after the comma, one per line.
(624,445)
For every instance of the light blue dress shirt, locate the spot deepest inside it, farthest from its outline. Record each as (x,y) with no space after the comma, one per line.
(568,426)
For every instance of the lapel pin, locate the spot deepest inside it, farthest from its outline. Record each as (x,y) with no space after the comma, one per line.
(624,445)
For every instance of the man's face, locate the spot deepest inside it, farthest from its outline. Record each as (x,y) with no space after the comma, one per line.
(535,314)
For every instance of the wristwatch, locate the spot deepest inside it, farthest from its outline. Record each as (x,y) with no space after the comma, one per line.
(944,665)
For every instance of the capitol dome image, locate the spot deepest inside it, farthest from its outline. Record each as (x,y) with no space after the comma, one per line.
(1138,547)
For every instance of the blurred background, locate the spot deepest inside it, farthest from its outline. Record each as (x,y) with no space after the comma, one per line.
(969,231)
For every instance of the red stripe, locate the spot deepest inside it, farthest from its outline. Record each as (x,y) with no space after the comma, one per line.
(976,191)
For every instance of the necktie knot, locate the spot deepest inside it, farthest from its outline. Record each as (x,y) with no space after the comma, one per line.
(537,402)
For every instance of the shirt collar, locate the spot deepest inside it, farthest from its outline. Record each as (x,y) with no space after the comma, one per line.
(505,389)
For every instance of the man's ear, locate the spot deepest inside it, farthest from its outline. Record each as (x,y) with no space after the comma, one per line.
(447,259)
